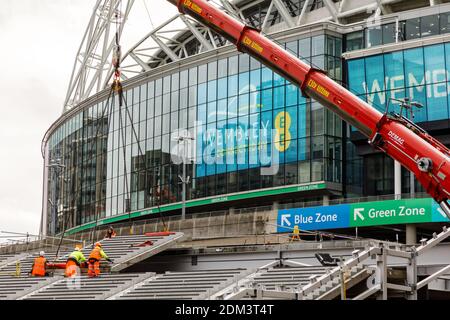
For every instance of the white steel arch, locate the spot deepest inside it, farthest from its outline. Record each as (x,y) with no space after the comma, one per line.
(180,36)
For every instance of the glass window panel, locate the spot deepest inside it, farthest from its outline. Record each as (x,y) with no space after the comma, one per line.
(192,96)
(266,99)
(222,88)
(183,98)
(202,90)
(212,70)
(388,33)
(175,82)
(356,77)
(255,80)
(412,29)
(304,48)
(212,112)
(173,121)
(244,104)
(212,90)
(232,85)
(143,92)
(318,45)
(222,68)
(338,46)
(429,25)
(355,40)
(291,123)
(222,107)
(193,76)
(444,22)
(278,97)
(151,89)
(317,118)
(292,47)
(166,84)
(303,121)
(331,46)
(375,81)
(244,63)
(183,119)
(434,57)
(373,36)
(254,64)
(158,126)
(192,116)
(232,107)
(233,65)
(174,101)
(202,73)
(158,87)
(202,115)
(244,79)
(393,66)
(166,103)
(158,105)
(266,78)
(184,78)
(318,62)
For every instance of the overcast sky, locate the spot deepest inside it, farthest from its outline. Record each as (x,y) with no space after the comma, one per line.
(38,44)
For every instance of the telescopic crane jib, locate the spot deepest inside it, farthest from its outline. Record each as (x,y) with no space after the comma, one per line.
(393,134)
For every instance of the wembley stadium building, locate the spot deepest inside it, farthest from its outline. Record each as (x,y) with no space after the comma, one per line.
(186,88)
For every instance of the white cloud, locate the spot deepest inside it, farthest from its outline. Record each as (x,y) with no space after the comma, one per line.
(39,41)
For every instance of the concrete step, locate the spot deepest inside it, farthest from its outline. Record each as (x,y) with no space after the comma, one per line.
(181,285)
(84,287)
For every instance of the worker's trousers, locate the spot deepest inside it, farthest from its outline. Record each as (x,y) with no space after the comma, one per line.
(94,268)
(72,269)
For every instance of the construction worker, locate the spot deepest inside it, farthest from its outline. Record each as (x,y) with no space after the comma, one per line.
(110,233)
(94,260)
(74,262)
(295,233)
(39,267)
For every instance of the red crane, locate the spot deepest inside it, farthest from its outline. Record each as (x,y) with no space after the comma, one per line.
(395,135)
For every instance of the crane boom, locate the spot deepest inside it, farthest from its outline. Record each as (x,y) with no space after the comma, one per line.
(393,134)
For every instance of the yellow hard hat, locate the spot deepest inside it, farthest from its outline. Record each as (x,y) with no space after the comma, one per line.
(98,244)
(77,248)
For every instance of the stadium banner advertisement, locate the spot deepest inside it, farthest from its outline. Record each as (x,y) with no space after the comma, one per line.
(361,215)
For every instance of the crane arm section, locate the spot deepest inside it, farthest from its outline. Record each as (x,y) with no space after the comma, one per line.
(399,138)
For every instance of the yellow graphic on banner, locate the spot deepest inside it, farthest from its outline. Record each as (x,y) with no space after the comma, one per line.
(283,122)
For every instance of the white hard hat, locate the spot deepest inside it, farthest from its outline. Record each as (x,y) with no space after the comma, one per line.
(42,253)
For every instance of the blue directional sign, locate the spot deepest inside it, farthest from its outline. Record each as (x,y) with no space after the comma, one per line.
(315,218)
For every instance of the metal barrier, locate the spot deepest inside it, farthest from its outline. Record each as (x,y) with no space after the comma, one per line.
(45,243)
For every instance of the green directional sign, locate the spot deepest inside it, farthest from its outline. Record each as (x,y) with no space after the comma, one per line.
(390,212)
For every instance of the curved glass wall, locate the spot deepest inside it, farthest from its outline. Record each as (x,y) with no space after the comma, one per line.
(99,168)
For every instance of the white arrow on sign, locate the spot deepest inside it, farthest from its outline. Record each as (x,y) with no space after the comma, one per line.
(357,213)
(285,221)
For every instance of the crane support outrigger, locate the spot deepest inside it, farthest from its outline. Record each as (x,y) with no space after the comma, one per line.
(393,134)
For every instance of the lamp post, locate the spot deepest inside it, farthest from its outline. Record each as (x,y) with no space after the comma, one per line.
(184,180)
(54,165)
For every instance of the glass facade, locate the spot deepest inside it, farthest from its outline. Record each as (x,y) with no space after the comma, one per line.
(119,161)
(422,74)
(415,28)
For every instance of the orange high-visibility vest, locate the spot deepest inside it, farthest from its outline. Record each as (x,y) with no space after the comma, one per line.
(39,267)
(95,254)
